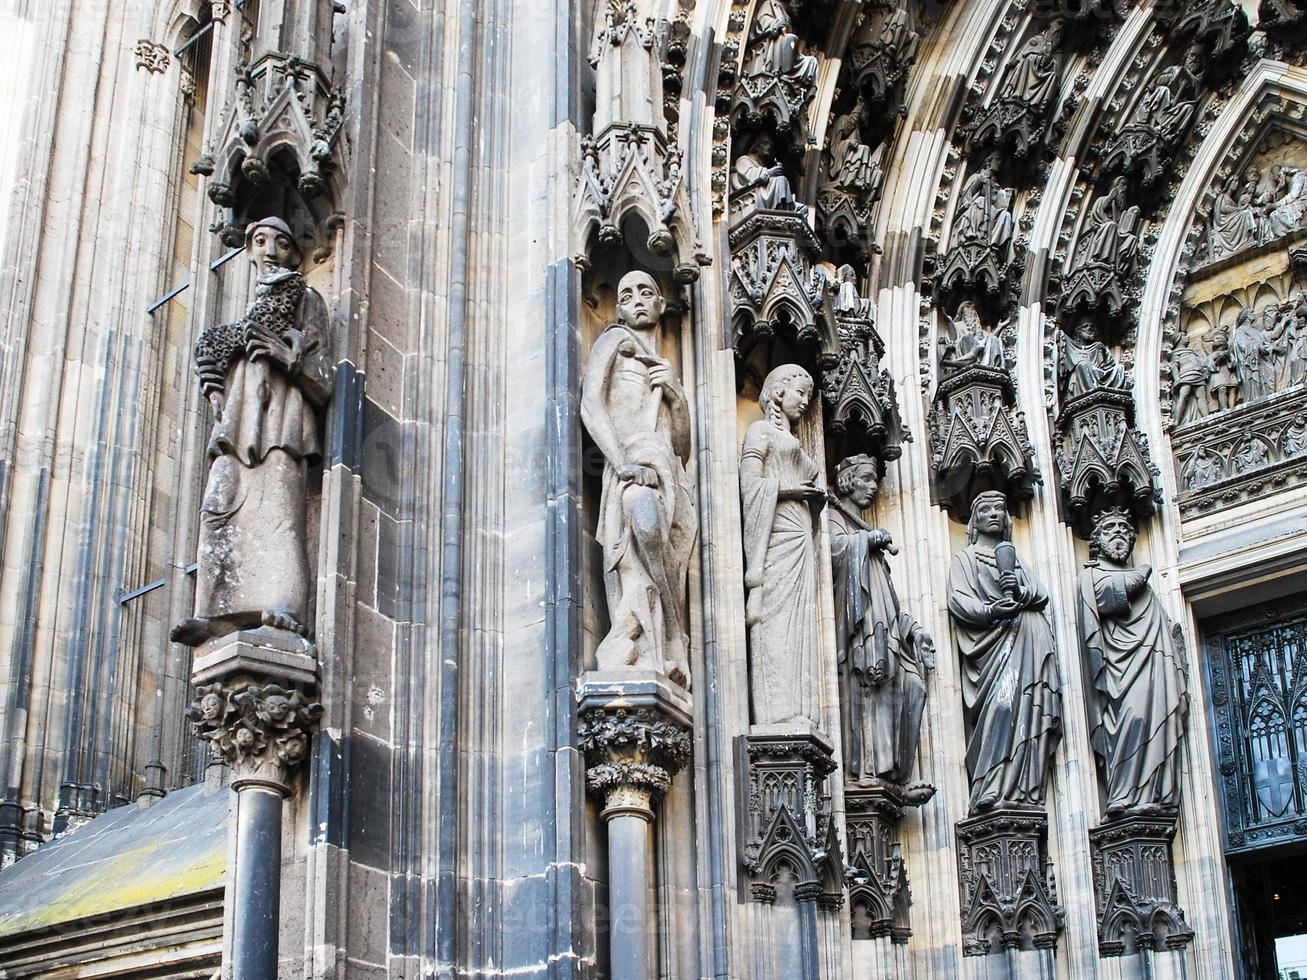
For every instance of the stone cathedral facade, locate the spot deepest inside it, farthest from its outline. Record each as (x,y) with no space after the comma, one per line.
(755,489)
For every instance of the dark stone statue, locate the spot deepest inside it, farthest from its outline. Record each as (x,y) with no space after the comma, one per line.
(884,654)
(265,376)
(1140,684)
(1011,686)
(1085,363)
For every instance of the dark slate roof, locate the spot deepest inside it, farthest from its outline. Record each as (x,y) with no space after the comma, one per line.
(122,859)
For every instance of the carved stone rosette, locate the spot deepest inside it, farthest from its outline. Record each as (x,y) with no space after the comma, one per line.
(879,897)
(788,831)
(632,754)
(1134,885)
(1102,459)
(1009,894)
(260,730)
(978,440)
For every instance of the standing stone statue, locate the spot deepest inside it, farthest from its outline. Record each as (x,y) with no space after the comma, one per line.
(265,376)
(884,654)
(1254,354)
(1191,370)
(1011,686)
(778,487)
(635,411)
(774,49)
(1224,382)
(1139,704)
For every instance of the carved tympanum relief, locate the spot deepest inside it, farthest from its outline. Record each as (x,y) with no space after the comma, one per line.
(636,412)
(265,376)
(1263,202)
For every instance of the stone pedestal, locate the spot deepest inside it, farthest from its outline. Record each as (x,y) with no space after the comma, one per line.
(788,830)
(879,898)
(253,704)
(634,729)
(1134,886)
(1009,894)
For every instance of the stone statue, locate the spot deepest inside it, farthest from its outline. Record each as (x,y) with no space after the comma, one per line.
(1286,202)
(760,180)
(1292,328)
(884,654)
(265,376)
(1205,469)
(1032,79)
(1108,243)
(1234,222)
(1191,371)
(973,343)
(1020,111)
(1085,363)
(635,410)
(778,487)
(1224,382)
(1139,703)
(1251,455)
(1011,687)
(774,49)
(981,231)
(846,299)
(1253,353)
(854,166)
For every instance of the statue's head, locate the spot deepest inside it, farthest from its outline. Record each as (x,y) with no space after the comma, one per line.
(640,302)
(857,480)
(1193,60)
(1118,186)
(1245,316)
(764,147)
(271,244)
(1085,331)
(1113,536)
(989,516)
(786,391)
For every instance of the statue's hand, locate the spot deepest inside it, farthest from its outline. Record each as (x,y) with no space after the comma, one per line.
(1003,610)
(1145,571)
(1008,582)
(261,345)
(634,473)
(880,539)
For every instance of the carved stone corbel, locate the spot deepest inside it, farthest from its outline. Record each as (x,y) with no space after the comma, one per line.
(879,897)
(1134,884)
(260,730)
(1009,894)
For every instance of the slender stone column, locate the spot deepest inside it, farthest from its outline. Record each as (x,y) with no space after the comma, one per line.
(634,729)
(253,704)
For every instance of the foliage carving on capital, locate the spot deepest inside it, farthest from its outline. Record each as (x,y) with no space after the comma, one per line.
(633,753)
(260,730)
(151,56)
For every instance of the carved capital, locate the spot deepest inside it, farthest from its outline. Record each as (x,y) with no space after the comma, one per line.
(220,10)
(260,730)
(153,57)
(635,736)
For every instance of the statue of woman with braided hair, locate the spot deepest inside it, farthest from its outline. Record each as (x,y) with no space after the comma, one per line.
(265,376)
(778,486)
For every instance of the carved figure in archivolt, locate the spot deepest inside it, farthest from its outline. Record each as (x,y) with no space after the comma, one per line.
(265,376)
(1255,353)
(1235,221)
(1085,363)
(634,408)
(1106,253)
(854,165)
(780,494)
(1011,686)
(774,49)
(1139,702)
(1191,371)
(884,654)
(758,178)
(1021,109)
(973,343)
(981,231)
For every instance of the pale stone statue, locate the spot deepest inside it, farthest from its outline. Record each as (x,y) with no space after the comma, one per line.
(846,298)
(1286,202)
(1224,382)
(1250,456)
(265,376)
(1139,700)
(973,344)
(1011,686)
(984,216)
(854,166)
(1085,363)
(758,177)
(779,490)
(1233,225)
(1292,329)
(636,412)
(1191,370)
(774,49)
(1295,437)
(884,654)
(1204,470)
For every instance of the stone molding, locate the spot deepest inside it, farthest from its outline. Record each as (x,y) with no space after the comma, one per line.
(152,56)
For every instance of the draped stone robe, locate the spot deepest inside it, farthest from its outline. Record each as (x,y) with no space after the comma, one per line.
(781,575)
(252,543)
(1011,686)
(882,721)
(1140,702)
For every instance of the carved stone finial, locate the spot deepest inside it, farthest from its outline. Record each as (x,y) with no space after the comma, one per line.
(260,730)
(154,58)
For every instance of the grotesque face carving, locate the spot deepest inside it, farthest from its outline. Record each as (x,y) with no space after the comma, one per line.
(1115,539)
(639,303)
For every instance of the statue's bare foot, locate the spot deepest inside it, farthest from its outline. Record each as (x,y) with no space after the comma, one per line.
(1116,810)
(191,632)
(283,620)
(985,803)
